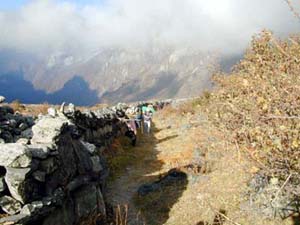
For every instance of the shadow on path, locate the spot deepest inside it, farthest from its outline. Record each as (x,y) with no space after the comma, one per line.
(144,170)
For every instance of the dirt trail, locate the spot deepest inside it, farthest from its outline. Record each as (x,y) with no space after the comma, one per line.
(146,167)
(176,142)
(124,187)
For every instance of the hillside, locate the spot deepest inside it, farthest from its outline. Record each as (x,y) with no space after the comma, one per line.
(237,146)
(107,75)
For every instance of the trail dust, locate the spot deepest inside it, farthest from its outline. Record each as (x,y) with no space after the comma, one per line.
(213,196)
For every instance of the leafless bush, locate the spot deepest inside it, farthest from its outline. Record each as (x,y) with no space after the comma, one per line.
(259,105)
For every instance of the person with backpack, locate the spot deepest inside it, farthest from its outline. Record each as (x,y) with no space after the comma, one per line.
(147,117)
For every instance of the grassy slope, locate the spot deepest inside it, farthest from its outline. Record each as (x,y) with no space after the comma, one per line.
(182,137)
(250,123)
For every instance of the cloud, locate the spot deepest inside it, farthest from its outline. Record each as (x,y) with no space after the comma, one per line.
(47,26)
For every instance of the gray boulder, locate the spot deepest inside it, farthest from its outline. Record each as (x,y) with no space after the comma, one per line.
(23,141)
(48,165)
(10,205)
(96,164)
(90,147)
(2,99)
(16,183)
(23,126)
(88,201)
(2,184)
(39,176)
(31,208)
(39,151)
(26,134)
(52,112)
(71,109)
(15,219)
(14,155)
(47,130)
(63,215)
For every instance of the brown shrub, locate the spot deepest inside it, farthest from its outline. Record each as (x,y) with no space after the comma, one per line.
(259,105)
(17,106)
(41,109)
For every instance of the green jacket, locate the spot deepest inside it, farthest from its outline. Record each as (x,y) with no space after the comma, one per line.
(145,108)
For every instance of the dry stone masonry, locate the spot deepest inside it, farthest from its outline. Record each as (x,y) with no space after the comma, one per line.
(52,169)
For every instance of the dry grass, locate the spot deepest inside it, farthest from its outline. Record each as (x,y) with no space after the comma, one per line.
(220,189)
(121,215)
(38,109)
(30,109)
(118,156)
(259,106)
(17,106)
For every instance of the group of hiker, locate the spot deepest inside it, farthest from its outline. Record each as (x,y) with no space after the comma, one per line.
(139,118)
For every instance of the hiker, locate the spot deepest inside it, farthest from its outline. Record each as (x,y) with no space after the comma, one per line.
(148,107)
(131,126)
(130,134)
(147,117)
(138,117)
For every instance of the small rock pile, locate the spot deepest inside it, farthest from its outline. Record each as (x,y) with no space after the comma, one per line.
(14,126)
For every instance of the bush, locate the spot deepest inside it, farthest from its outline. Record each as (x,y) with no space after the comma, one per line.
(17,106)
(259,105)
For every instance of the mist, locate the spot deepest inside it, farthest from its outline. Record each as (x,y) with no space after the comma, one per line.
(226,26)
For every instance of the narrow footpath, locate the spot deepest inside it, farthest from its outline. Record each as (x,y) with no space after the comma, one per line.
(217,190)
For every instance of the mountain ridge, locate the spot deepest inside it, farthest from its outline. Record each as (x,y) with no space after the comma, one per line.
(111,73)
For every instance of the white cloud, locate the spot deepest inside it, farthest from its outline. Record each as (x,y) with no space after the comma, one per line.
(44,26)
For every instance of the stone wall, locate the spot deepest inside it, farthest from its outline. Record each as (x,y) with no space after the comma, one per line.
(52,171)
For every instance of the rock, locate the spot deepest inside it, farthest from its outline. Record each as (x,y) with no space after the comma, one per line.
(12,123)
(23,141)
(90,147)
(39,176)
(62,107)
(10,205)
(14,155)
(77,183)
(48,129)
(23,126)
(62,215)
(6,110)
(39,151)
(70,110)
(15,180)
(52,112)
(2,184)
(2,99)
(173,177)
(55,173)
(27,133)
(86,202)
(96,164)
(31,208)
(49,165)
(15,219)
(85,164)
(7,137)
(2,141)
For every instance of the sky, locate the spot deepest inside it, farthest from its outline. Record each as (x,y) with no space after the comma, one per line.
(15,4)
(76,26)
